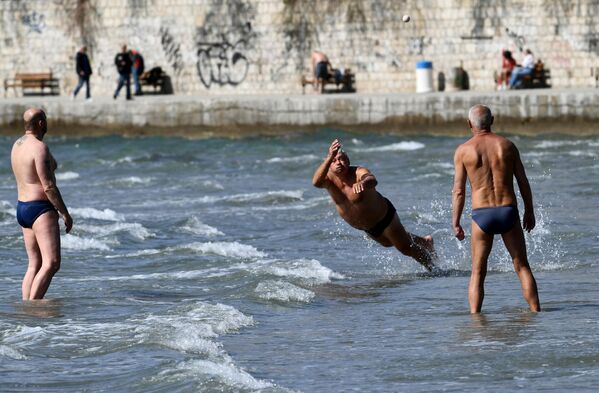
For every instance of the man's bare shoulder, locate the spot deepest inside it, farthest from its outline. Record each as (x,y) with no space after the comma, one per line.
(360,170)
(463,148)
(31,145)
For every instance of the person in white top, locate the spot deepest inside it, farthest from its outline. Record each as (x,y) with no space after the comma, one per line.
(528,65)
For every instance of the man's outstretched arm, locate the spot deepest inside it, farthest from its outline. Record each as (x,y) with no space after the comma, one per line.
(458,195)
(529,221)
(320,176)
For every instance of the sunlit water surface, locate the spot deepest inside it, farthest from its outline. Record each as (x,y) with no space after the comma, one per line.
(214,265)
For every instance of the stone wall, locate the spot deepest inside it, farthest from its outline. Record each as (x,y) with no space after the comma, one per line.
(212,47)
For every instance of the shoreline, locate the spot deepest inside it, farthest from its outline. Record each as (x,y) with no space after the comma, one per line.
(551,111)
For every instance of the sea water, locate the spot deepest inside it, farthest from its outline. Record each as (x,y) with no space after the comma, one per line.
(214,265)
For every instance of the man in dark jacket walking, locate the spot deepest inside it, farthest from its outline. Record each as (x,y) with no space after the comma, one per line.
(123,65)
(84,70)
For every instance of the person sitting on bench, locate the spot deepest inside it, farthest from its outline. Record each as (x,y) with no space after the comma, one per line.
(320,67)
(527,67)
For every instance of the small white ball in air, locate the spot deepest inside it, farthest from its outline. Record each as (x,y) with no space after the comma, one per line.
(406,18)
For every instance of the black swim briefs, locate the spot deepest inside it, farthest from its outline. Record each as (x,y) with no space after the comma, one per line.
(380,227)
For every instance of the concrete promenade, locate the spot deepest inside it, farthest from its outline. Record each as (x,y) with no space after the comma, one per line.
(524,111)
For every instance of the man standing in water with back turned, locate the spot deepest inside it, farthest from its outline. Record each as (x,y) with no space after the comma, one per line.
(38,202)
(352,188)
(491,162)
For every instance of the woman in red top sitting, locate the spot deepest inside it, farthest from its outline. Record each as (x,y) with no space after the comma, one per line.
(507,66)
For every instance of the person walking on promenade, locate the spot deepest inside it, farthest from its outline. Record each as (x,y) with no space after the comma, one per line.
(137,69)
(490,162)
(353,190)
(84,70)
(38,206)
(123,64)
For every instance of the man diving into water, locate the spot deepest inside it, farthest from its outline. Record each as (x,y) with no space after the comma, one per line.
(38,202)
(491,162)
(352,188)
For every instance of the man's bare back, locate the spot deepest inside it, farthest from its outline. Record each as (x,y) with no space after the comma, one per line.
(353,189)
(489,160)
(23,159)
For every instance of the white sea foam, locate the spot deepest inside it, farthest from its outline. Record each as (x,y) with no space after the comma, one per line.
(227,373)
(67,176)
(283,291)
(225,249)
(552,144)
(90,212)
(189,327)
(115,162)
(213,184)
(444,165)
(297,159)
(400,146)
(356,141)
(140,253)
(184,275)
(135,229)
(309,270)
(537,154)
(131,180)
(72,242)
(197,227)
(267,196)
(6,351)
(580,153)
(25,334)
(7,208)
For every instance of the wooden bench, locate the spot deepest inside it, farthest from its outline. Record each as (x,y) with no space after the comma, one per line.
(155,78)
(33,83)
(344,85)
(539,79)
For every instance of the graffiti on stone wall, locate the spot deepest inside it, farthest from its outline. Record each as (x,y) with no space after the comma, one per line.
(387,54)
(223,63)
(224,43)
(172,50)
(417,45)
(34,21)
(517,39)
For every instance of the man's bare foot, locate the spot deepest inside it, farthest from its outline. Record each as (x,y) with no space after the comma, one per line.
(430,246)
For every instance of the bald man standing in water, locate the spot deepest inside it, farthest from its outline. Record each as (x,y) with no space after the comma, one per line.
(38,202)
(352,188)
(491,162)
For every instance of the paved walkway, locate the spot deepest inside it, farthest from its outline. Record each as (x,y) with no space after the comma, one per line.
(542,110)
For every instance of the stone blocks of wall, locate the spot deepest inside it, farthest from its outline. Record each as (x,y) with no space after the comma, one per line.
(215,47)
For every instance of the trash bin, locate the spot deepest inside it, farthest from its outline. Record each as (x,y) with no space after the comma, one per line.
(424,76)
(456,79)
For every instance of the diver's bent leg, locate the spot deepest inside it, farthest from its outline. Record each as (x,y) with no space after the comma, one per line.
(382,240)
(516,245)
(417,247)
(47,234)
(481,248)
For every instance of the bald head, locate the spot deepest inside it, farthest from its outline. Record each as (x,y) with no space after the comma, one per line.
(35,120)
(480,117)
